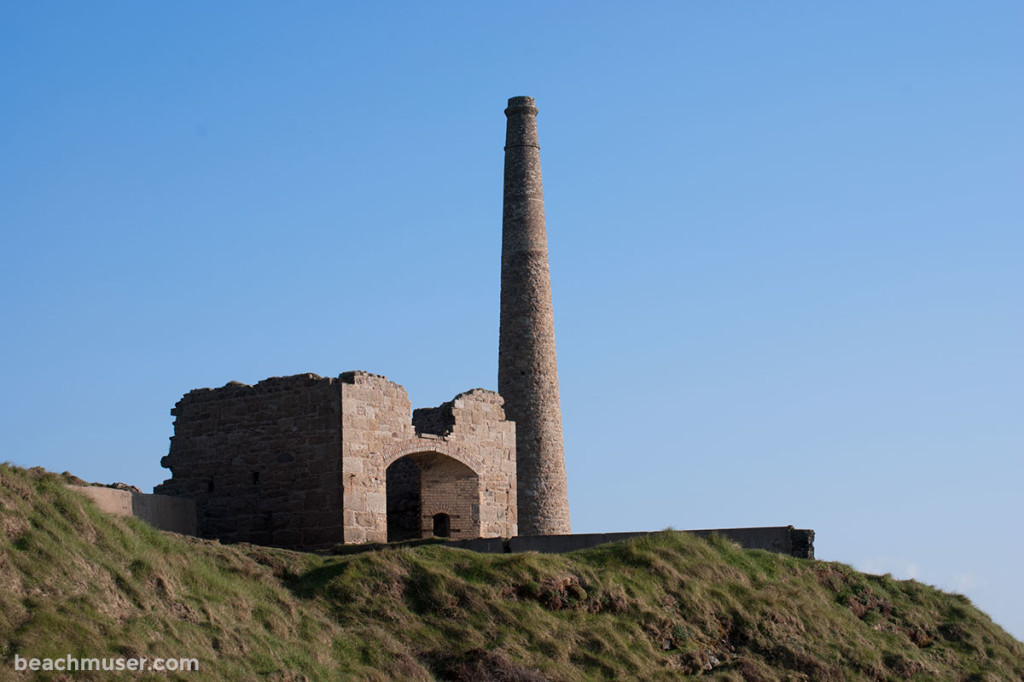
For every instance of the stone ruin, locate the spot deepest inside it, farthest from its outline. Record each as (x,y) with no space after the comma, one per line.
(309,462)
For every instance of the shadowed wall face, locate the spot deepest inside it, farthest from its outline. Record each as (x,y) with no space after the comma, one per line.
(527,367)
(261,462)
(403,490)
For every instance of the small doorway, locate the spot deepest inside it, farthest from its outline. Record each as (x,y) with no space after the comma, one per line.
(442,526)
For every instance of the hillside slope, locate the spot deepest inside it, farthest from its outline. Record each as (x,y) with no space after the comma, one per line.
(75,581)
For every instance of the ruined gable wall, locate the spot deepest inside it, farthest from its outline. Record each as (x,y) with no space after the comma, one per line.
(479,426)
(378,430)
(473,427)
(262,462)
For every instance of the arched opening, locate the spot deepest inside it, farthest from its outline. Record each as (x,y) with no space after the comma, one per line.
(432,495)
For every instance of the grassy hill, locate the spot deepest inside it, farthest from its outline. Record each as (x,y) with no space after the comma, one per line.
(75,581)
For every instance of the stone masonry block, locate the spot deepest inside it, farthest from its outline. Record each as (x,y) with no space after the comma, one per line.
(377,503)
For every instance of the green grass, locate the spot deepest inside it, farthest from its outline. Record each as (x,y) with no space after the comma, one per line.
(76,581)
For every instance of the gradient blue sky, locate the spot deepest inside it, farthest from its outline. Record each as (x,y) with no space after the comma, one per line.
(785,240)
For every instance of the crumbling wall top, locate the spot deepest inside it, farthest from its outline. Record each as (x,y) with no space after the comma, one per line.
(441,420)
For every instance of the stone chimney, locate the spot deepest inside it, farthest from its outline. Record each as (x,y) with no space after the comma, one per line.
(527,369)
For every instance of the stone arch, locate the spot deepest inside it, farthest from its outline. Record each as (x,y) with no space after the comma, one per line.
(412,446)
(443,485)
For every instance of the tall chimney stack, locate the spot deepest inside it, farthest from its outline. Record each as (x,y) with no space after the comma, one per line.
(527,369)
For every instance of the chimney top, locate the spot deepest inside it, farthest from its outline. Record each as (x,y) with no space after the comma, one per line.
(520,104)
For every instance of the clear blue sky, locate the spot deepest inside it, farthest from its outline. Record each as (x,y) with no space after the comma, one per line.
(786,245)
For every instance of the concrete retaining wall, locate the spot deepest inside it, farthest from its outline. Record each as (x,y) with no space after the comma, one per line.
(779,539)
(176,514)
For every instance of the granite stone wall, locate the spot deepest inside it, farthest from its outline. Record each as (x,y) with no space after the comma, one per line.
(261,462)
